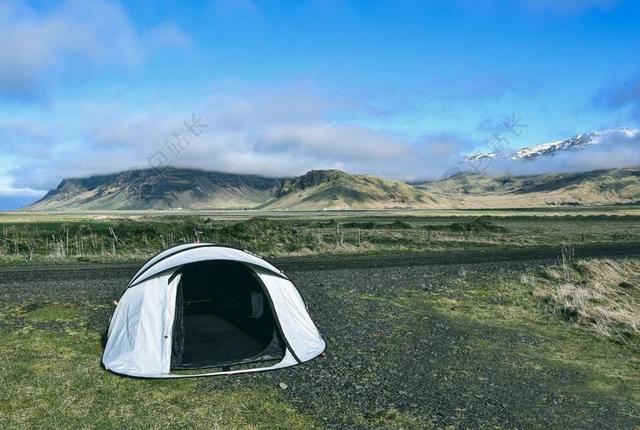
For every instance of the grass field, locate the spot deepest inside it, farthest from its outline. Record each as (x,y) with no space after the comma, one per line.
(119,236)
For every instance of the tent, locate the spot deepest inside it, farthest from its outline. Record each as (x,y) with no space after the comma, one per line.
(202,306)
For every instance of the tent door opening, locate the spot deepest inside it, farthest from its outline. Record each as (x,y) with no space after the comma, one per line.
(223,317)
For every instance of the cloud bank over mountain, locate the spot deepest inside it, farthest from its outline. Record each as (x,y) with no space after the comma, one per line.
(274,133)
(606,156)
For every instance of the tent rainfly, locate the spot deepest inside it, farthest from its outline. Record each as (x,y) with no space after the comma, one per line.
(201,306)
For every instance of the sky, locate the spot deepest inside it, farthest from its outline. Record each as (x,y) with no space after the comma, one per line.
(395,88)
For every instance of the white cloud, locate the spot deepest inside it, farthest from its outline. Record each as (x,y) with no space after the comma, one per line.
(7,186)
(609,155)
(38,48)
(281,132)
(8,190)
(339,141)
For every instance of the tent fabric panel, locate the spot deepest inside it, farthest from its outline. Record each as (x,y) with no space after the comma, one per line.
(300,332)
(204,253)
(163,254)
(139,341)
(123,329)
(168,311)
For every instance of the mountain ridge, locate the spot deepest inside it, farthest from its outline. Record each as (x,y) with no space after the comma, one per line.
(160,189)
(595,187)
(176,188)
(335,189)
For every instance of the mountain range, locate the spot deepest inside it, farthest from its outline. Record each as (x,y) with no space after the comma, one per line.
(179,188)
(176,188)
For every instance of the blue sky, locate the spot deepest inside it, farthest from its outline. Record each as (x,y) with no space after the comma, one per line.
(395,88)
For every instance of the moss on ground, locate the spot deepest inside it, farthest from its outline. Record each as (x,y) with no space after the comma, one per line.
(54,312)
(52,379)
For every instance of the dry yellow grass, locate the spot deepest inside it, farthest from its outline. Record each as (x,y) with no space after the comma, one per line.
(602,294)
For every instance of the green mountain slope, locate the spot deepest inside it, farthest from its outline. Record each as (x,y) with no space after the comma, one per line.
(334,189)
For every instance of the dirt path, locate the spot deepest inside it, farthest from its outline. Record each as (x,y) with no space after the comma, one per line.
(303,264)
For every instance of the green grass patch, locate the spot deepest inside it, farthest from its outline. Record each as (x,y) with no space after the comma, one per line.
(476,225)
(494,311)
(54,312)
(54,380)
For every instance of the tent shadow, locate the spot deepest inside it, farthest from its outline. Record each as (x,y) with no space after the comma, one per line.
(103,339)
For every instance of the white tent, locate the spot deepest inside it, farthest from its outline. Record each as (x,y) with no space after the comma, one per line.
(201,306)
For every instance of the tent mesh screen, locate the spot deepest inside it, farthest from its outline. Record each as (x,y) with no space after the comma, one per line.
(223,318)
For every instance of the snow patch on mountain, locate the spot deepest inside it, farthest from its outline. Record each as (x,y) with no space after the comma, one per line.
(575,143)
(481,156)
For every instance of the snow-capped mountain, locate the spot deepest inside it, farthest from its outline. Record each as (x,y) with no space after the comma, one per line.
(481,156)
(575,143)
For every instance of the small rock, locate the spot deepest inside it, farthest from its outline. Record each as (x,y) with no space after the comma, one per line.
(283,386)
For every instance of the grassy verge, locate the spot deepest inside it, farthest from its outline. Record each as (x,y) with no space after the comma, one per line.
(547,325)
(603,295)
(51,378)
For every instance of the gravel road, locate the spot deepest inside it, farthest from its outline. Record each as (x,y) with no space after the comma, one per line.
(379,358)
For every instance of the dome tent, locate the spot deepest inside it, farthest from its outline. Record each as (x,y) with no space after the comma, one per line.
(206,306)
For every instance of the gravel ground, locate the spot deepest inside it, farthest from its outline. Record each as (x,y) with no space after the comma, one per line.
(380,358)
